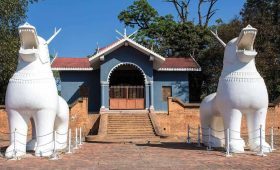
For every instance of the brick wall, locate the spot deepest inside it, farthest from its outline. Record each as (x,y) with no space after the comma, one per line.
(4,124)
(175,122)
(78,117)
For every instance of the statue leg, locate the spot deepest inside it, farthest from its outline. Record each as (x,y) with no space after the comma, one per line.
(31,144)
(18,128)
(205,121)
(44,122)
(206,115)
(61,124)
(232,121)
(254,120)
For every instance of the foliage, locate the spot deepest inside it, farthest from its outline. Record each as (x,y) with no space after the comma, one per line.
(141,13)
(162,33)
(211,60)
(12,13)
(265,16)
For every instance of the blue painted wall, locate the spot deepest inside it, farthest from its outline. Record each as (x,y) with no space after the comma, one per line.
(179,82)
(72,80)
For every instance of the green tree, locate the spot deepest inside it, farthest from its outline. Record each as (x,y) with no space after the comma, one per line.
(12,14)
(211,59)
(163,33)
(140,13)
(265,16)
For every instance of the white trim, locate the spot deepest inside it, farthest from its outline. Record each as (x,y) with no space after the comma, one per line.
(146,49)
(159,59)
(97,55)
(126,63)
(90,69)
(179,69)
(71,69)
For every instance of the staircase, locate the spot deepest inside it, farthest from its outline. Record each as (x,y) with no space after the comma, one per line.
(129,127)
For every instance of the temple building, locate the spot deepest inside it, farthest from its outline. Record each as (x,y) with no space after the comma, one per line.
(126,76)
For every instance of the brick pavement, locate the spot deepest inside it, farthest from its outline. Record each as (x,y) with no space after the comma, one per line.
(146,156)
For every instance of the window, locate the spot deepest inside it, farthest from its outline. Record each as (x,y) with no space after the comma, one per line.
(166,92)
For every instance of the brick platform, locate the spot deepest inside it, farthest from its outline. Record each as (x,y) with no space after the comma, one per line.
(146,156)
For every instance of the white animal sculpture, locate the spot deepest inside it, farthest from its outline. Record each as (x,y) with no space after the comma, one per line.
(32,94)
(241,90)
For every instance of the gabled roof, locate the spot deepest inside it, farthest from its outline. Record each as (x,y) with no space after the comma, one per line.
(83,64)
(62,63)
(158,59)
(180,64)
(159,62)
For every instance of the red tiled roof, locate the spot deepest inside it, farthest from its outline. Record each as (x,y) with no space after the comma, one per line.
(61,62)
(108,46)
(83,63)
(180,62)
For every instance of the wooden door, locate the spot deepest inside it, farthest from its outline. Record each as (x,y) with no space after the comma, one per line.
(126,97)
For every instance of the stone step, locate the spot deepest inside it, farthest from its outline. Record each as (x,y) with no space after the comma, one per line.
(127,120)
(130,130)
(129,115)
(144,116)
(131,135)
(130,124)
(129,127)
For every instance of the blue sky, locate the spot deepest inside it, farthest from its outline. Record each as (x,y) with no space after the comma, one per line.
(86,22)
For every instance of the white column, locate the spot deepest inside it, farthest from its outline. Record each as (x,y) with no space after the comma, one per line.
(103,98)
(152,95)
(147,95)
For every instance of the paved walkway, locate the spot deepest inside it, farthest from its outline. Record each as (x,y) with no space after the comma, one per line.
(146,156)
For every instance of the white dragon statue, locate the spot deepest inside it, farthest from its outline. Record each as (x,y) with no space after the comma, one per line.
(32,95)
(241,91)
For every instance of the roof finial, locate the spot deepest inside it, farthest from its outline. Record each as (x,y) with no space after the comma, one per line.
(124,32)
(97,47)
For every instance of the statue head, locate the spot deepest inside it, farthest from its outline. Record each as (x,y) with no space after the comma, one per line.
(242,47)
(32,46)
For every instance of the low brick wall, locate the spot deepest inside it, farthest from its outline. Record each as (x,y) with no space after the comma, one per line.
(4,124)
(175,122)
(78,117)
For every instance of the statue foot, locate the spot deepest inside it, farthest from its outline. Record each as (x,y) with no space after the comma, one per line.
(237,146)
(12,152)
(60,147)
(31,145)
(44,151)
(255,146)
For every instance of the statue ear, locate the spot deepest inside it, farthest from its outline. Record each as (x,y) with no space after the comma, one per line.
(44,58)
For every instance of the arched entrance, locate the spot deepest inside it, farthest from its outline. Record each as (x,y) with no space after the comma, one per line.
(126,87)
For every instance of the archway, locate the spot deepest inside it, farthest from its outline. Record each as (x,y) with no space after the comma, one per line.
(126,87)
